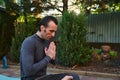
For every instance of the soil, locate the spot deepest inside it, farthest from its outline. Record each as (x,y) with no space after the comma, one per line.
(95,66)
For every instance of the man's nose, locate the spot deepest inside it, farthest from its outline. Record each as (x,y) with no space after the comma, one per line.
(53,34)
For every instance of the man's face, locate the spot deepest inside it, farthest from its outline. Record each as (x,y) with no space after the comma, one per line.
(49,31)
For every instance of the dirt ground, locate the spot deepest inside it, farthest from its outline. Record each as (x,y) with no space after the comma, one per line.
(112,66)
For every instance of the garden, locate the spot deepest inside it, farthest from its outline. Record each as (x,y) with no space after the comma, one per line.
(73,50)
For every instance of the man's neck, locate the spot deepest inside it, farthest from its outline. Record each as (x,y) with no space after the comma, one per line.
(39,34)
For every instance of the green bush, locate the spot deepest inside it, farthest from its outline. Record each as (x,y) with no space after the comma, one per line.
(113,54)
(22,30)
(6,32)
(72,48)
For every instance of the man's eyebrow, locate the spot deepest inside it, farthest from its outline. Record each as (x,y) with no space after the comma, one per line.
(52,31)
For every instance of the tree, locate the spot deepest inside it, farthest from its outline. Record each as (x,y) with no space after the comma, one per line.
(38,6)
(12,8)
(72,48)
(99,6)
(7,17)
(65,5)
(22,30)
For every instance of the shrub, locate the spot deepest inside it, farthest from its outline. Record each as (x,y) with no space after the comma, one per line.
(22,30)
(72,48)
(113,54)
(98,53)
(6,32)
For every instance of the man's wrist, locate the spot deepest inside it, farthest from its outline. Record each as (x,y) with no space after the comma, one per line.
(48,58)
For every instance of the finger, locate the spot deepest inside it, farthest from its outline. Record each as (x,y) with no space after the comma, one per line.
(70,77)
(51,46)
(53,43)
(54,48)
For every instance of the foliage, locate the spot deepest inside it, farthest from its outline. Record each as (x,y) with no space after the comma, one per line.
(112,53)
(6,31)
(99,6)
(12,8)
(2,4)
(72,47)
(22,30)
(39,6)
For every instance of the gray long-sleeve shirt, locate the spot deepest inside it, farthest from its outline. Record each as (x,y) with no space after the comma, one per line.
(33,60)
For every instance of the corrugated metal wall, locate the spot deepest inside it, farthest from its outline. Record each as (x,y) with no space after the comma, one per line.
(104,28)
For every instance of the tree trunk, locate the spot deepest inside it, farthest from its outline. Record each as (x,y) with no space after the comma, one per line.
(65,5)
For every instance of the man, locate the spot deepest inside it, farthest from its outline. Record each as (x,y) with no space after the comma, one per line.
(38,50)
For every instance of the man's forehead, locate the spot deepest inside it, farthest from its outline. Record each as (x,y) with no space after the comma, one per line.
(51,23)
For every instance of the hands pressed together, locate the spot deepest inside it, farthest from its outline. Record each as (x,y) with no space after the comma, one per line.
(51,50)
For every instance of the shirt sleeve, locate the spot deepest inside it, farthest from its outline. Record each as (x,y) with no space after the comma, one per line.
(27,58)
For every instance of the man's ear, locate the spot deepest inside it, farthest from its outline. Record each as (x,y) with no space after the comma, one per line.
(42,28)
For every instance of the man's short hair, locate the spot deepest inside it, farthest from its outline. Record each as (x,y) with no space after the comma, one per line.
(44,21)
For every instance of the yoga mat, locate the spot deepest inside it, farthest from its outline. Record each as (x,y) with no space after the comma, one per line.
(3,77)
